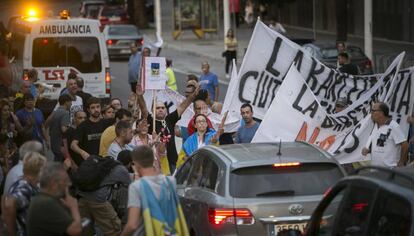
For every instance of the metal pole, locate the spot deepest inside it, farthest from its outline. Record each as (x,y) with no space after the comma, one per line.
(158,17)
(314,19)
(226,15)
(368,28)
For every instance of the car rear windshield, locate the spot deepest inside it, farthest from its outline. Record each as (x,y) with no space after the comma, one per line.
(113,12)
(123,30)
(269,181)
(81,53)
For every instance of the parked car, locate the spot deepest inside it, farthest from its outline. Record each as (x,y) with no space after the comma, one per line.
(328,54)
(88,7)
(113,15)
(119,38)
(377,201)
(254,189)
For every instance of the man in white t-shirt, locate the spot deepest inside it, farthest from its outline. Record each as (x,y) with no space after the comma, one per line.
(388,143)
(123,131)
(77,103)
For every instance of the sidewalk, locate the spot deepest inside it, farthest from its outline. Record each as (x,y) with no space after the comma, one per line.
(212,46)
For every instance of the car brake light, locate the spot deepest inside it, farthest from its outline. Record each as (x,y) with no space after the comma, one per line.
(286,164)
(25,74)
(368,64)
(107,81)
(230,216)
(140,41)
(110,41)
(358,207)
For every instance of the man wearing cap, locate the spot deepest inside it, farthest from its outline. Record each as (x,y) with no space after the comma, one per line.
(32,120)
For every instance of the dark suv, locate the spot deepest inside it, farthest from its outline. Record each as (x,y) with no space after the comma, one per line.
(376,201)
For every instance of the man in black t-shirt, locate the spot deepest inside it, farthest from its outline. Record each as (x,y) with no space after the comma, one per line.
(165,123)
(345,66)
(79,117)
(88,134)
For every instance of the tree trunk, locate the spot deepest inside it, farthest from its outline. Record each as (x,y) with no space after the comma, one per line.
(140,15)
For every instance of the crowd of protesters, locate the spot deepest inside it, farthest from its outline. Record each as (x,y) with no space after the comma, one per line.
(110,161)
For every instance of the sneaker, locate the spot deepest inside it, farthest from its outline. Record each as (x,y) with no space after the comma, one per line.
(227,76)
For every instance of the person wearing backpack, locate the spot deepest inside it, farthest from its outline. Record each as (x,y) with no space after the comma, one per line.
(153,205)
(98,181)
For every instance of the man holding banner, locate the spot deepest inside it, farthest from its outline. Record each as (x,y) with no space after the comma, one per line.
(387,142)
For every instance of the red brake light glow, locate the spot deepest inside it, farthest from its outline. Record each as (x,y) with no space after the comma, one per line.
(45,41)
(358,207)
(287,164)
(107,81)
(230,216)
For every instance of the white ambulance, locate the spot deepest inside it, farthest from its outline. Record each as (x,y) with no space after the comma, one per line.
(56,47)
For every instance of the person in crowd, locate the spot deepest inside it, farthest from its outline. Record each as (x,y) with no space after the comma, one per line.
(32,76)
(16,172)
(116,104)
(217,107)
(144,195)
(234,7)
(171,82)
(192,77)
(108,112)
(24,89)
(123,131)
(82,94)
(43,103)
(165,123)
(134,65)
(345,65)
(230,47)
(209,81)
(202,137)
(58,124)
(9,124)
(249,12)
(142,137)
(18,198)
(109,134)
(388,143)
(88,134)
(5,156)
(341,104)
(72,90)
(95,205)
(340,46)
(190,87)
(69,136)
(62,209)
(246,131)
(200,107)
(32,120)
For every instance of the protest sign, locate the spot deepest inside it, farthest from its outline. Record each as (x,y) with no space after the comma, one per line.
(154,77)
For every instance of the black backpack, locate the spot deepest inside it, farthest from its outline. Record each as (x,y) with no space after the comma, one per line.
(92,171)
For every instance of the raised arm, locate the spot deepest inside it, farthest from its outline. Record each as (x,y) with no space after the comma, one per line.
(220,130)
(141,101)
(187,102)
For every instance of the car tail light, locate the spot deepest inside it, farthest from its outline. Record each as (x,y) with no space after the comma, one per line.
(368,64)
(111,41)
(359,207)
(107,81)
(221,216)
(25,75)
(286,164)
(140,42)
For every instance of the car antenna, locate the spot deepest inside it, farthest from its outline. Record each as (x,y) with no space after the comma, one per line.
(279,153)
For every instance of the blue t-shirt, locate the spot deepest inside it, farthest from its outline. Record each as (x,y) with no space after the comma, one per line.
(134,67)
(33,90)
(32,120)
(245,135)
(209,82)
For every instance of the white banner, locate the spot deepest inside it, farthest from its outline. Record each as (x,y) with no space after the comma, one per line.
(266,63)
(296,114)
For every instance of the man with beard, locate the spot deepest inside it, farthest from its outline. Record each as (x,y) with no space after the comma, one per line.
(88,134)
(165,123)
(54,211)
(246,131)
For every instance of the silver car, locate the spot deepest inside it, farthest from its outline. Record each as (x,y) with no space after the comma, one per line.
(120,37)
(254,189)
